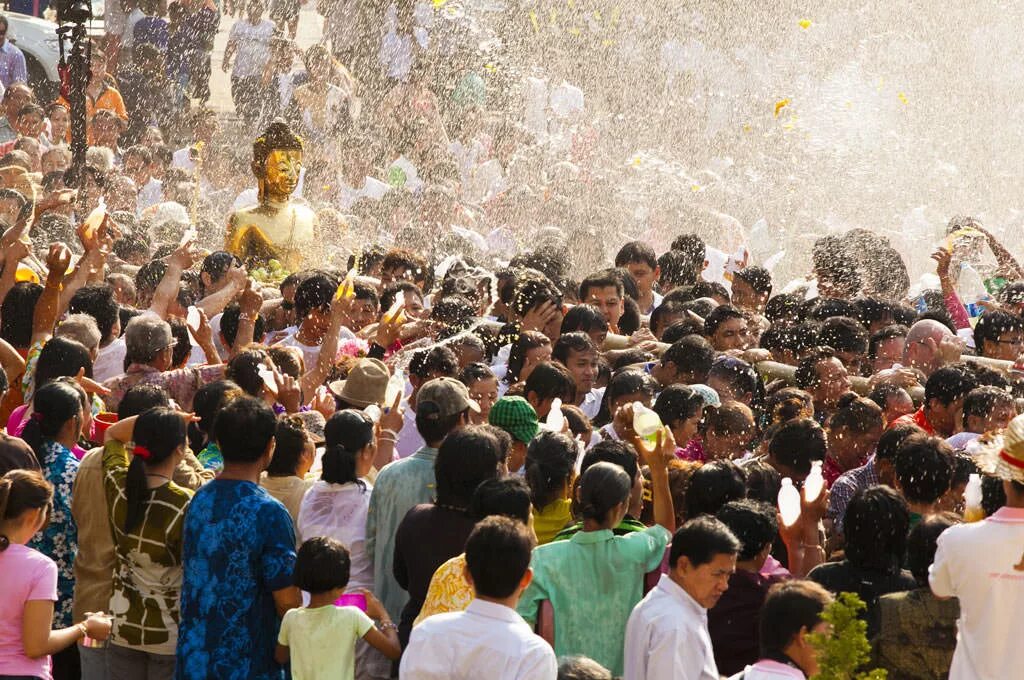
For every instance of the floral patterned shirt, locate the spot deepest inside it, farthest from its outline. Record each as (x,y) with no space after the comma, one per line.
(239,548)
(181,384)
(59,540)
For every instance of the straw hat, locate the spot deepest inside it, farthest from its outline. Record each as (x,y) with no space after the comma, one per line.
(1002,455)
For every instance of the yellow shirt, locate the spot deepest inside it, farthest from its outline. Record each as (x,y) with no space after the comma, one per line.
(552,519)
(449,591)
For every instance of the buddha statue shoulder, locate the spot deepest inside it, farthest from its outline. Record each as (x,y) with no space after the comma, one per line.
(276,228)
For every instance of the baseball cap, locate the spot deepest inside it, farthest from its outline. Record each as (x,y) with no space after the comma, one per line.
(515,416)
(448,395)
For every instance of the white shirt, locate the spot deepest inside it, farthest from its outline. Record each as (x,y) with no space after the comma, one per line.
(667,637)
(409,439)
(252,42)
(339,511)
(109,361)
(592,402)
(769,670)
(310,353)
(129,29)
(487,640)
(982,564)
(150,194)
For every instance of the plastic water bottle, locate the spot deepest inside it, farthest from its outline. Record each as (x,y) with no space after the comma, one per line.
(814,483)
(396,386)
(789,502)
(555,421)
(646,423)
(971,288)
(972,499)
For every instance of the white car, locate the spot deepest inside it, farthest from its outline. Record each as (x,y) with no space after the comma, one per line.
(37,38)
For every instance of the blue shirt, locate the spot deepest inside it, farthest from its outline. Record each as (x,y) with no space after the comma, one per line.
(398,488)
(59,540)
(239,547)
(12,65)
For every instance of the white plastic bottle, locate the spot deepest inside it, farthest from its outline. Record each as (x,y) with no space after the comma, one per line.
(646,423)
(555,421)
(973,511)
(789,502)
(971,288)
(814,483)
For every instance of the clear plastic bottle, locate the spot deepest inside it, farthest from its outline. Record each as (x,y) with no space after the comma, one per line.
(396,386)
(814,483)
(971,288)
(646,423)
(972,499)
(789,502)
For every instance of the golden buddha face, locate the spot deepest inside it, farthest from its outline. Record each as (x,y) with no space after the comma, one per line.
(282,173)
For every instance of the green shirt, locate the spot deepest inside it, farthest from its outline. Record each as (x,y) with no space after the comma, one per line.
(399,486)
(147,577)
(593,581)
(627,526)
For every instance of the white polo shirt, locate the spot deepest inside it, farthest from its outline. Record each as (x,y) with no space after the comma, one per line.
(667,637)
(487,640)
(769,670)
(982,564)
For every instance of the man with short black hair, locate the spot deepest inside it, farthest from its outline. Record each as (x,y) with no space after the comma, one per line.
(604,290)
(667,633)
(236,531)
(999,335)
(986,409)
(638,258)
(848,340)
(685,362)
(488,639)
(578,353)
(726,328)
(825,378)
(549,380)
(751,288)
(732,622)
(944,395)
(924,473)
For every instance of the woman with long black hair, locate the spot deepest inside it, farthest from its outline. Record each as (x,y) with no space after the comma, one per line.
(58,413)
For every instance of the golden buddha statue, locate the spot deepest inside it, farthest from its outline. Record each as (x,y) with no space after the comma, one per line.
(275,228)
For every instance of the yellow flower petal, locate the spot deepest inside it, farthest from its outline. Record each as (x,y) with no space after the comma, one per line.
(805,23)
(779,105)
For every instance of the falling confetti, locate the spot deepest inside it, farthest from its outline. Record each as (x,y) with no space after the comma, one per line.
(902,97)
(779,105)
(533,20)
(804,23)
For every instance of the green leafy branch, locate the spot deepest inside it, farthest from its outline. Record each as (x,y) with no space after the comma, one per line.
(845,648)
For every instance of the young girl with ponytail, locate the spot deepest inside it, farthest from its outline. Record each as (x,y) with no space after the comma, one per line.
(27,638)
(594,579)
(59,412)
(147,513)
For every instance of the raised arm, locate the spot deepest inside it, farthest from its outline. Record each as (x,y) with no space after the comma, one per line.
(47,309)
(656,456)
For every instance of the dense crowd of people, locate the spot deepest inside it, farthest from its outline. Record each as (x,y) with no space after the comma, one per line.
(478,437)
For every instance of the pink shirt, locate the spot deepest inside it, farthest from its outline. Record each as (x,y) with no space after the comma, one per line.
(28,575)
(17,422)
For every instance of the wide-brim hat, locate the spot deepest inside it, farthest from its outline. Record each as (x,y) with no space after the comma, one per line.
(366,384)
(1002,454)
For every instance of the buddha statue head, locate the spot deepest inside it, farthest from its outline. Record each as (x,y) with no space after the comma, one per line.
(277,161)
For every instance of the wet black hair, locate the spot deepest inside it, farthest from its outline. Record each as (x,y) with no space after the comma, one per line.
(677,402)
(61,357)
(550,458)
(700,540)
(289,441)
(584,318)
(346,433)
(160,432)
(321,565)
(712,485)
(601,488)
(498,553)
(798,442)
(548,380)
(843,334)
(98,301)
(638,252)
(141,398)
(626,381)
(753,523)
(465,459)
(229,325)
(875,527)
(924,468)
(506,496)
(758,278)
(53,405)
(923,542)
(948,384)
(244,429)
(612,451)
(16,313)
(691,354)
